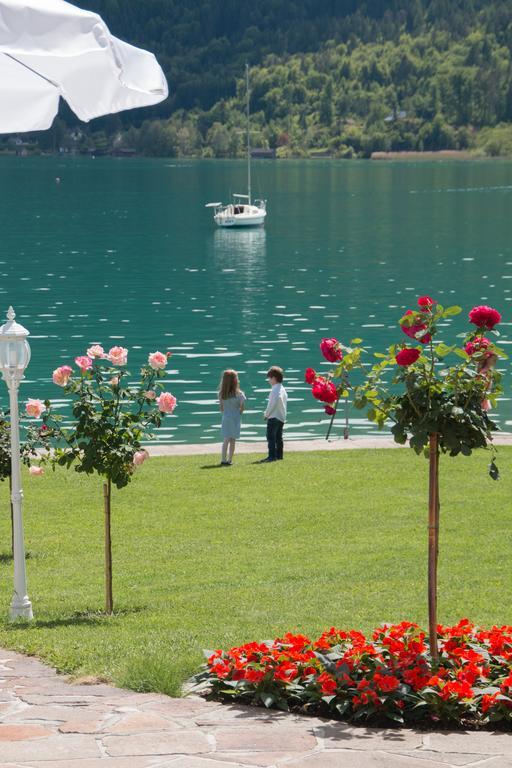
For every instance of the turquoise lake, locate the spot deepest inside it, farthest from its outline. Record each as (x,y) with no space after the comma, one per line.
(124,252)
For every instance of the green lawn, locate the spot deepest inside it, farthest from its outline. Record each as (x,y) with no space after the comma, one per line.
(210,557)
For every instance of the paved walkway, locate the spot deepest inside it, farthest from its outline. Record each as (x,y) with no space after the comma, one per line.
(338,444)
(46,722)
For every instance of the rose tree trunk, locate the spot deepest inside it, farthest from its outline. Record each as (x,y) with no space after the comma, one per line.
(109,600)
(433,543)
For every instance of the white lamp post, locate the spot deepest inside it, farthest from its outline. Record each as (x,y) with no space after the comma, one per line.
(14,358)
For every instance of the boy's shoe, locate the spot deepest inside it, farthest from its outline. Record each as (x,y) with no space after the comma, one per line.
(225,463)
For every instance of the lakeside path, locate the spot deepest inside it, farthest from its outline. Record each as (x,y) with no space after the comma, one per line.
(46,722)
(353,443)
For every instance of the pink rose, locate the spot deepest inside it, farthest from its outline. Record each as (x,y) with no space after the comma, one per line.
(157,360)
(96,351)
(331,350)
(484,317)
(114,381)
(166,402)
(34,408)
(150,394)
(35,471)
(61,375)
(486,405)
(139,457)
(118,355)
(84,363)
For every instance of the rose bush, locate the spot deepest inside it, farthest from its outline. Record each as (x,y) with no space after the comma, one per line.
(387,676)
(112,419)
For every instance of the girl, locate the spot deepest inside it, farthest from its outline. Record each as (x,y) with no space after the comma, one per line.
(231,401)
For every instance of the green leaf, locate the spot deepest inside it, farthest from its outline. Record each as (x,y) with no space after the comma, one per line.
(443,349)
(452,311)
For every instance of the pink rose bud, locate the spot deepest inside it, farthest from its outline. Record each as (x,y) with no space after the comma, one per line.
(157,360)
(114,381)
(96,351)
(150,394)
(118,356)
(84,363)
(61,375)
(34,408)
(166,402)
(36,471)
(486,405)
(139,457)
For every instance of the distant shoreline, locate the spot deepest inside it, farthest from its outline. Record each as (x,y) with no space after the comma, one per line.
(441,154)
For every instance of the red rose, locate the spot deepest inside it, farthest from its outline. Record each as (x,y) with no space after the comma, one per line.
(325,391)
(330,411)
(407,356)
(330,349)
(477,345)
(412,330)
(425,303)
(484,317)
(309,376)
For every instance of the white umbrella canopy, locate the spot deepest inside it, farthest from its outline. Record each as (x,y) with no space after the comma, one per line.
(51,49)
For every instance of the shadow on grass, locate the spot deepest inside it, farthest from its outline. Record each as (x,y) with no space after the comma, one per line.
(6,557)
(82,618)
(213,466)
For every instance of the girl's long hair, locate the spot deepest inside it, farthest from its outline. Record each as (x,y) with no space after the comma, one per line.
(229,385)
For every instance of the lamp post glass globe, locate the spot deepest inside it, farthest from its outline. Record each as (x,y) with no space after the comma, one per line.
(14,358)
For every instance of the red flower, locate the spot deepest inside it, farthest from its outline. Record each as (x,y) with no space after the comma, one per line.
(407,356)
(254,675)
(488,700)
(484,317)
(330,349)
(285,671)
(327,684)
(221,669)
(412,330)
(386,683)
(309,376)
(425,303)
(477,345)
(325,391)
(330,411)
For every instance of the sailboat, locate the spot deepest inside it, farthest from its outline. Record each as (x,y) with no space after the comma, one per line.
(243,211)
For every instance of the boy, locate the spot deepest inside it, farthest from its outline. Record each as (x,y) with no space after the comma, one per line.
(275,413)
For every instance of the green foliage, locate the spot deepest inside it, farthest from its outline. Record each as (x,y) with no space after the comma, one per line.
(426,396)
(338,78)
(112,419)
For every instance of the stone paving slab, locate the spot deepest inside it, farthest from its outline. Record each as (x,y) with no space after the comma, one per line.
(47,722)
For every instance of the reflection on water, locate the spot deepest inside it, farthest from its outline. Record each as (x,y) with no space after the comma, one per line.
(243,246)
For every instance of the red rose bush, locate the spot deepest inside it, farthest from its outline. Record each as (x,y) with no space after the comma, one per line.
(387,676)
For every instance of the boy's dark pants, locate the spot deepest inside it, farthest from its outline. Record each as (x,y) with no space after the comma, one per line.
(275,438)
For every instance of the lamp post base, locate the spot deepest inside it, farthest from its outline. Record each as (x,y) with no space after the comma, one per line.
(20,608)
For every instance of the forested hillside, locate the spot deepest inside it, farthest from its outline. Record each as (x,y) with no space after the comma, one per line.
(339,76)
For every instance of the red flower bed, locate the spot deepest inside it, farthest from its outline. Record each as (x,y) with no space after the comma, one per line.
(347,675)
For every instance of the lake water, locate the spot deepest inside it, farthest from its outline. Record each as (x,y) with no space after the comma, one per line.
(124,252)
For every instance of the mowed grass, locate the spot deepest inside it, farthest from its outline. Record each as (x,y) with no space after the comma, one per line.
(208,557)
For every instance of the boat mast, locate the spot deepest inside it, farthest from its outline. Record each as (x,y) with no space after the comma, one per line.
(248,134)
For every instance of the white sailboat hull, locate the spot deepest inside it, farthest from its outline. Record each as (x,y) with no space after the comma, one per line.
(249,216)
